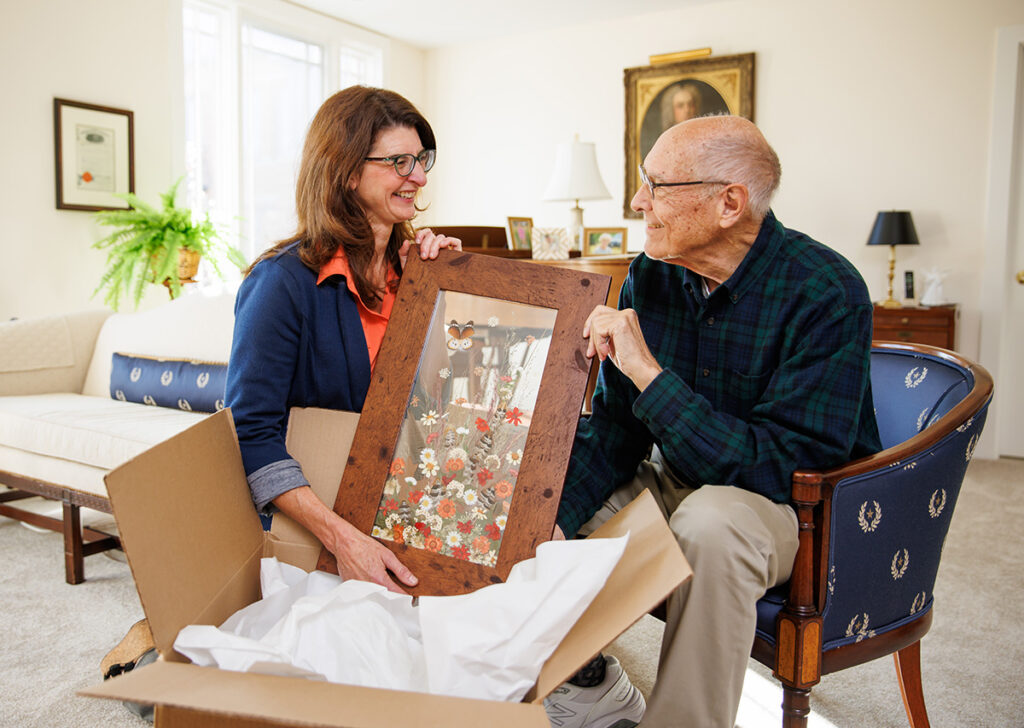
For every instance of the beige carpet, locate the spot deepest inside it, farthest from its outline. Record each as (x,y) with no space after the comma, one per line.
(53,635)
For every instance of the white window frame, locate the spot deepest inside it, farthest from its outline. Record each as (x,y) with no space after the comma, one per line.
(283,18)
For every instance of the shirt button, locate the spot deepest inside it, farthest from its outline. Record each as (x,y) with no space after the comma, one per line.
(707,372)
(711,320)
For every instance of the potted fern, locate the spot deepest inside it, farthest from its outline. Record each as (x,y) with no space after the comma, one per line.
(151,245)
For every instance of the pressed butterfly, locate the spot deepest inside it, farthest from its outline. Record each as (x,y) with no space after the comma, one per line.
(461,335)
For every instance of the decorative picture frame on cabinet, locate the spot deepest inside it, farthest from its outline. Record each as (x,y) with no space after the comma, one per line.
(520,233)
(94,150)
(464,438)
(604,241)
(661,95)
(550,243)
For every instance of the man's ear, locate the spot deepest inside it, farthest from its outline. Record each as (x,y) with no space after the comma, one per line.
(732,204)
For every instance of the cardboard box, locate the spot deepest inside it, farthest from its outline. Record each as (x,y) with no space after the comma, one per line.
(194,543)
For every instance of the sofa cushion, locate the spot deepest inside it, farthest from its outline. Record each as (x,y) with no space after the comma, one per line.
(194,326)
(94,431)
(35,352)
(176,383)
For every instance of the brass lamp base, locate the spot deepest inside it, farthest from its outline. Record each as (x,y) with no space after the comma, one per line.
(891,302)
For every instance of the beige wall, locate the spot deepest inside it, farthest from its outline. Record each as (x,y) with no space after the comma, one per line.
(871,105)
(874,105)
(120,57)
(120,53)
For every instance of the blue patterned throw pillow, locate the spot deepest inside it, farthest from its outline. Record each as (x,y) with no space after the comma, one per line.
(194,386)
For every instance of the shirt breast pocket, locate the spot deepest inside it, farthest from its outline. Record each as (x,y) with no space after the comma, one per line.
(743,390)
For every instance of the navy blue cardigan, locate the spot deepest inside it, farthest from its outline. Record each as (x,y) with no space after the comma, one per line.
(295,344)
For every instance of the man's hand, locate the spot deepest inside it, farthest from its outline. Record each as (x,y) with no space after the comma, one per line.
(558,535)
(616,335)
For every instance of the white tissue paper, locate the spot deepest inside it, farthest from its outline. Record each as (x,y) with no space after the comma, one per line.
(489,644)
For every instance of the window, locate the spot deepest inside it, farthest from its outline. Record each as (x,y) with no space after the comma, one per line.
(256,71)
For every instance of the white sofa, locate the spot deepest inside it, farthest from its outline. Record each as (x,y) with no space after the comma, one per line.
(60,430)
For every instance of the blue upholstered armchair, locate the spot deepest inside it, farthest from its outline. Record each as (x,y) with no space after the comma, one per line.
(871,532)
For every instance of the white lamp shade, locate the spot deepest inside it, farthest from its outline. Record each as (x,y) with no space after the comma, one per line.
(576,176)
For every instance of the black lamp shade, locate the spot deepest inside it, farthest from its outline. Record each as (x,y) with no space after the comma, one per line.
(894,227)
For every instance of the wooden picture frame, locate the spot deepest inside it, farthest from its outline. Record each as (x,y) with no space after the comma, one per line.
(94,152)
(659,96)
(604,241)
(426,509)
(550,243)
(520,233)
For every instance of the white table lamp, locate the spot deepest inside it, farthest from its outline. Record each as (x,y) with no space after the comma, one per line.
(576,177)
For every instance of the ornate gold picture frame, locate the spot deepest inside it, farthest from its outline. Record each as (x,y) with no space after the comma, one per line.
(464,438)
(659,96)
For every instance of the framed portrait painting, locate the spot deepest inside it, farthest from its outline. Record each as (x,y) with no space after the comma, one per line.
(520,233)
(604,241)
(464,438)
(659,96)
(94,149)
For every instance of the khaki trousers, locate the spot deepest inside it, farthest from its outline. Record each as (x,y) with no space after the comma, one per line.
(739,545)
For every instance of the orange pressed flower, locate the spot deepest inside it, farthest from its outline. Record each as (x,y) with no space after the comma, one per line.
(503,489)
(481,544)
(397,466)
(433,543)
(446,509)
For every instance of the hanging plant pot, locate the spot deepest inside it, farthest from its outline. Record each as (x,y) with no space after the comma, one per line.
(188,265)
(157,245)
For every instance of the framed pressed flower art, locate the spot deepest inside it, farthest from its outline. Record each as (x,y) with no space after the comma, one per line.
(464,439)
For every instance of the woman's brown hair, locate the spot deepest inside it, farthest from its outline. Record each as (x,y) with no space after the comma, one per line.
(330,215)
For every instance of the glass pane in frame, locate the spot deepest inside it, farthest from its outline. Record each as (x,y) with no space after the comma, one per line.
(571,295)
(453,475)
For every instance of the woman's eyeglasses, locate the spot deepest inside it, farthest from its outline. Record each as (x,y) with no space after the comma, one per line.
(404,164)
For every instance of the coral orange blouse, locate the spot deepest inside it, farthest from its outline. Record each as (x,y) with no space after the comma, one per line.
(374,323)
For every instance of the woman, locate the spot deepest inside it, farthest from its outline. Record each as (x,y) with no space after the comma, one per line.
(312,310)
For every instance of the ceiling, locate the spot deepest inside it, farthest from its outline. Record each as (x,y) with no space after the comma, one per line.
(436,23)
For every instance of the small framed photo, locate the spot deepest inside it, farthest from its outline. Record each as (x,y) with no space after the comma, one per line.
(550,243)
(520,233)
(604,241)
(95,155)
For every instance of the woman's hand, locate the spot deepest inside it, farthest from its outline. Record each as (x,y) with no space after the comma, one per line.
(359,556)
(429,244)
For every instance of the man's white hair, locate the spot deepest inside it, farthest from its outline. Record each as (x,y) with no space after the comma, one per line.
(742,158)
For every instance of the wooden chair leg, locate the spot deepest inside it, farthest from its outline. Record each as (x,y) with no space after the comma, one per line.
(796,706)
(74,557)
(908,671)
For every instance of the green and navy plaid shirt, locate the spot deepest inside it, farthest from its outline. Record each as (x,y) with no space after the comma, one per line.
(767,375)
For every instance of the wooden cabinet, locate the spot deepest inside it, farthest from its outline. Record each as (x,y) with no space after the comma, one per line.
(934,325)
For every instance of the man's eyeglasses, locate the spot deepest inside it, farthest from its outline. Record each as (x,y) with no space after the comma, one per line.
(405,163)
(651,186)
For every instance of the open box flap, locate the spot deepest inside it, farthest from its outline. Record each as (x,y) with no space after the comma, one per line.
(294,701)
(320,440)
(187,525)
(651,567)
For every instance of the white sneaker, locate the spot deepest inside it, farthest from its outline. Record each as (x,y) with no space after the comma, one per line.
(614,703)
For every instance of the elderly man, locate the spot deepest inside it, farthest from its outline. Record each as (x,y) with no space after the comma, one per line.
(739,353)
